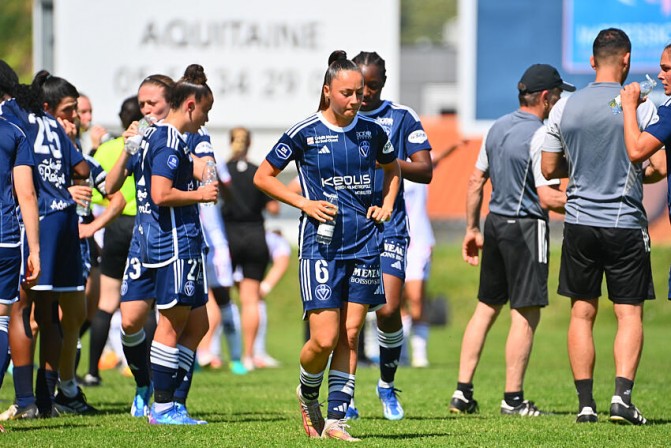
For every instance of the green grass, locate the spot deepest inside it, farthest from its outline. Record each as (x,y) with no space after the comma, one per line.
(260,409)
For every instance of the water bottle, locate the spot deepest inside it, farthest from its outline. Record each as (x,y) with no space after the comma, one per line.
(84,210)
(133,143)
(325,229)
(646,87)
(209,177)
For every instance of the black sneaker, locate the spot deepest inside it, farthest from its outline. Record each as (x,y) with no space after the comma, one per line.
(73,405)
(587,414)
(459,404)
(525,409)
(622,413)
(90,380)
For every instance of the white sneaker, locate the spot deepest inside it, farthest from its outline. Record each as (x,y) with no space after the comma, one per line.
(337,429)
(265,361)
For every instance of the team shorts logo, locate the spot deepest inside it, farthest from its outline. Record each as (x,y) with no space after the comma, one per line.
(323,292)
(172,162)
(189,288)
(364,148)
(417,137)
(124,288)
(283,151)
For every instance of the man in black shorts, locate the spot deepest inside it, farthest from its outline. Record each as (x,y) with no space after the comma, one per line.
(515,242)
(242,212)
(606,226)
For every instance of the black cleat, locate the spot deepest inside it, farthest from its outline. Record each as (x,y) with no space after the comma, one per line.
(525,409)
(623,413)
(73,405)
(587,415)
(460,405)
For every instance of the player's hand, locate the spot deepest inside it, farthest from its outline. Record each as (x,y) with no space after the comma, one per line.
(33,270)
(70,128)
(97,133)
(86,231)
(378,214)
(81,194)
(130,131)
(322,211)
(470,248)
(630,95)
(209,193)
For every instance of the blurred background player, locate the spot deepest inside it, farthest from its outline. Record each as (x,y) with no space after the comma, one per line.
(90,135)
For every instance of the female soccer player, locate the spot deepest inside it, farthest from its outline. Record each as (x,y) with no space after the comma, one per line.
(335,151)
(406,134)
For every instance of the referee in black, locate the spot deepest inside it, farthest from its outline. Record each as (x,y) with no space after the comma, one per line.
(515,241)
(242,212)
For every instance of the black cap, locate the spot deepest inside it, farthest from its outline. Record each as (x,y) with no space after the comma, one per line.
(542,77)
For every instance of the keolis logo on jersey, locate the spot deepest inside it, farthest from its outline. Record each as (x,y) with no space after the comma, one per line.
(355,181)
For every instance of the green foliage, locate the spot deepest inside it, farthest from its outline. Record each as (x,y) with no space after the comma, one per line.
(260,409)
(422,21)
(16,36)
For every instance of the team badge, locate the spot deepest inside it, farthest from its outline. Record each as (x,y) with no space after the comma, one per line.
(323,292)
(283,151)
(124,288)
(364,148)
(172,162)
(189,288)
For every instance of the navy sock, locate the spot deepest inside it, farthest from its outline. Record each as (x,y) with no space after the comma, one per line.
(136,352)
(513,399)
(390,353)
(45,390)
(23,385)
(341,391)
(584,389)
(164,366)
(4,347)
(184,374)
(100,328)
(623,387)
(310,384)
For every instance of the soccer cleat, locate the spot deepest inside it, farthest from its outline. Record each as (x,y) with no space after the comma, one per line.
(248,362)
(623,413)
(525,409)
(170,416)
(140,406)
(181,408)
(337,429)
(265,361)
(238,368)
(16,413)
(108,360)
(91,380)
(419,362)
(352,413)
(73,405)
(391,407)
(587,415)
(459,404)
(313,422)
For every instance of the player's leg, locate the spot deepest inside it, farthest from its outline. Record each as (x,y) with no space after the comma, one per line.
(110,296)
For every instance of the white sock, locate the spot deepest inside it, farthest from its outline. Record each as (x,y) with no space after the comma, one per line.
(260,341)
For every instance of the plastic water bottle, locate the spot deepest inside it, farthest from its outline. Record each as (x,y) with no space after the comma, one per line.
(84,210)
(133,143)
(646,87)
(209,177)
(325,229)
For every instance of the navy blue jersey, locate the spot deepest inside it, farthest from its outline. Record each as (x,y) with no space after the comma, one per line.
(55,156)
(15,150)
(200,143)
(406,133)
(337,161)
(165,233)
(660,128)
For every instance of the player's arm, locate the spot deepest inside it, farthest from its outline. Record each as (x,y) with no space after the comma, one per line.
(116,205)
(27,198)
(420,167)
(437,158)
(640,145)
(656,169)
(118,174)
(275,273)
(552,198)
(554,165)
(473,239)
(266,180)
(164,194)
(390,187)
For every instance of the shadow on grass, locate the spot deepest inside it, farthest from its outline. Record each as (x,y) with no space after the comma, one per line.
(243,417)
(368,436)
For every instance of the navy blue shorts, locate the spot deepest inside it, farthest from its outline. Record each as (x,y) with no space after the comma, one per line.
(138,282)
(393,256)
(181,282)
(326,284)
(10,273)
(60,253)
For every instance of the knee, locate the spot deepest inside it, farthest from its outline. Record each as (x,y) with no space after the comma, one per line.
(131,324)
(324,343)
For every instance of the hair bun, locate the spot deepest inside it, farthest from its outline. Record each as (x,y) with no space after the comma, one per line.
(195,74)
(337,55)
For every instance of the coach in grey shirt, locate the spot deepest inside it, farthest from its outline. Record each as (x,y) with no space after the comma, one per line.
(605,227)
(515,241)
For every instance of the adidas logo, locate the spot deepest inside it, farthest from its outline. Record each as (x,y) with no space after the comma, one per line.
(379,290)
(324,150)
(340,408)
(397,265)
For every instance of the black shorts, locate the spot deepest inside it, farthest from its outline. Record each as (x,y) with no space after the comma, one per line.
(622,254)
(115,246)
(249,250)
(514,262)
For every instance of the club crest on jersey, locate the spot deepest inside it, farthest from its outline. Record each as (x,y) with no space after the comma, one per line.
(283,151)
(417,136)
(364,148)
(189,288)
(323,292)
(172,162)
